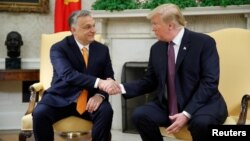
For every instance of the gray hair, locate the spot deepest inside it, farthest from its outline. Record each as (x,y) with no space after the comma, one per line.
(75,15)
(169,12)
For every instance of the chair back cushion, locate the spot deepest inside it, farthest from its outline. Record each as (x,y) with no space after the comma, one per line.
(46,70)
(233,45)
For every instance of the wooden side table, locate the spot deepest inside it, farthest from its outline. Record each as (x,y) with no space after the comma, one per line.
(19,74)
(27,76)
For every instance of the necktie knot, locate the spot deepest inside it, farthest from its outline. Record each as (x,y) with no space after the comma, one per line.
(84,49)
(171,43)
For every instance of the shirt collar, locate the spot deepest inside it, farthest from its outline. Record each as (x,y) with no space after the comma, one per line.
(81,46)
(177,39)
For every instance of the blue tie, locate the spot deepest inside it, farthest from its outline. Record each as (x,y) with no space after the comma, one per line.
(172,103)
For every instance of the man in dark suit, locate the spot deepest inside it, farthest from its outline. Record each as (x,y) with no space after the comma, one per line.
(195,82)
(71,74)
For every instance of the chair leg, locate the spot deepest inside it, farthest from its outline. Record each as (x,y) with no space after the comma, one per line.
(23,135)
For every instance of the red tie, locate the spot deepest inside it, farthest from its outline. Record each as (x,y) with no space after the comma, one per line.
(172,103)
(82,99)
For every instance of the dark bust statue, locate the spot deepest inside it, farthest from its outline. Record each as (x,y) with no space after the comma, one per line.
(13,42)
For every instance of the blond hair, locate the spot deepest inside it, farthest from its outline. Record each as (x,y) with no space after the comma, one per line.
(169,12)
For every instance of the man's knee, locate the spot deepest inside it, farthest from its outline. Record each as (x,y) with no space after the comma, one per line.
(39,113)
(139,115)
(203,121)
(106,109)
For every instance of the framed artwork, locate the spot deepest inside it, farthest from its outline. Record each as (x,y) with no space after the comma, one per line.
(35,6)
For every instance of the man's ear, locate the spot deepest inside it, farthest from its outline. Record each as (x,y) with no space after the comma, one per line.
(171,25)
(72,29)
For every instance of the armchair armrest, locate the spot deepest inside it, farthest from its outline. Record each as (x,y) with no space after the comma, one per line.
(243,111)
(35,89)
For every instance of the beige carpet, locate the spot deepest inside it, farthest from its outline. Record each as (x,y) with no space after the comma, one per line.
(12,135)
(117,135)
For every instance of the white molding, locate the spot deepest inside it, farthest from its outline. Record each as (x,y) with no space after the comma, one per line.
(120,14)
(26,63)
(217,10)
(191,11)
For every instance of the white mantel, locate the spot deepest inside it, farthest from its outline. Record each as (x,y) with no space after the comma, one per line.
(103,16)
(234,14)
(191,11)
(129,37)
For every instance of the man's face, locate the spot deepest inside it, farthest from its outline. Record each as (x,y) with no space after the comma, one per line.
(84,30)
(160,28)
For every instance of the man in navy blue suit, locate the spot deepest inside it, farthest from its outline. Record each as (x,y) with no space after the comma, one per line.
(196,79)
(71,75)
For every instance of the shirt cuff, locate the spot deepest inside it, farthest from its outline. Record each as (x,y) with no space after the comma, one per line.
(123,89)
(96,83)
(186,114)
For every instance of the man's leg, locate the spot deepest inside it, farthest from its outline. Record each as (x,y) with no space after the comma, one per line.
(147,120)
(102,121)
(44,117)
(199,126)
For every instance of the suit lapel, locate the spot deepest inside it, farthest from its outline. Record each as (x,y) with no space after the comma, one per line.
(183,49)
(76,52)
(162,56)
(92,55)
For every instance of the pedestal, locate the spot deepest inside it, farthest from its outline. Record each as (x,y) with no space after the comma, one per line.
(13,63)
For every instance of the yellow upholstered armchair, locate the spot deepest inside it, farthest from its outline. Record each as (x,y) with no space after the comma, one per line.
(68,127)
(233,45)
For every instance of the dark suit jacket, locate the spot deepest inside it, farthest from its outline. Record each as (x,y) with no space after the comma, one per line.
(70,76)
(196,80)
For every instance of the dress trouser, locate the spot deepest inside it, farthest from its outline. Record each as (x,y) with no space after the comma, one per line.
(45,116)
(149,117)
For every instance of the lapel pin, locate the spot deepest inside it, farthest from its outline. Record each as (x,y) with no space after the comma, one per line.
(184,48)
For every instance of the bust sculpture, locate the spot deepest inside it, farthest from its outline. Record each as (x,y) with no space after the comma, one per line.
(13,42)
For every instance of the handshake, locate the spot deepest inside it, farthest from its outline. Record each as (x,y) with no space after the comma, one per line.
(109,86)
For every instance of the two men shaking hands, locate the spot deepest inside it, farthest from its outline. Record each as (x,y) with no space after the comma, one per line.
(110,86)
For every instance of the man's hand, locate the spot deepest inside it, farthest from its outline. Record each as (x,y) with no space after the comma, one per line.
(110,86)
(93,103)
(178,121)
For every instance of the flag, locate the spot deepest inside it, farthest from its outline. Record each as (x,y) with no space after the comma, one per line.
(63,9)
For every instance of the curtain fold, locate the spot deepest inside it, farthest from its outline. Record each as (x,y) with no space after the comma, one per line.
(63,9)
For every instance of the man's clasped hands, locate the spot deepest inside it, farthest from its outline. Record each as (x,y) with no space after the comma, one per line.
(110,86)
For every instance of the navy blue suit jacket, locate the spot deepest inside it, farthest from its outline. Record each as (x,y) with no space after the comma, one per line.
(70,76)
(196,80)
